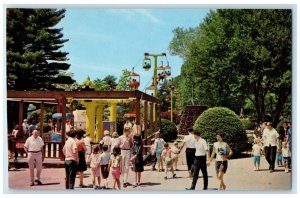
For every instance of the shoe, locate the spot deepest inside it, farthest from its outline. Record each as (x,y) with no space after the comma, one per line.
(135,185)
(162,170)
(176,169)
(124,185)
(189,188)
(174,175)
(38,182)
(271,171)
(286,170)
(190,174)
(204,188)
(166,177)
(153,169)
(270,168)
(138,183)
(82,185)
(31,184)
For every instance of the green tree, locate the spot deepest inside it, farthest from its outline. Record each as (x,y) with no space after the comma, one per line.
(123,83)
(111,81)
(101,85)
(34,58)
(238,55)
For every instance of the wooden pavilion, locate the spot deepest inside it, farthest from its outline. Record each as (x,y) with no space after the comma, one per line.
(62,98)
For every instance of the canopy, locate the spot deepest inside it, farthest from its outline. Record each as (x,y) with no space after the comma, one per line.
(59,116)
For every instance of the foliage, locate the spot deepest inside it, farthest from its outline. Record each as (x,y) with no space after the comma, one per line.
(34,58)
(101,85)
(46,127)
(168,130)
(280,124)
(167,115)
(247,124)
(123,83)
(230,57)
(111,81)
(224,119)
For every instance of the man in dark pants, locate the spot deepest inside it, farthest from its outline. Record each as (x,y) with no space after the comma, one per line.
(270,138)
(201,157)
(189,141)
(71,159)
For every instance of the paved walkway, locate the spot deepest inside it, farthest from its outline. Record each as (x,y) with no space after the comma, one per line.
(239,177)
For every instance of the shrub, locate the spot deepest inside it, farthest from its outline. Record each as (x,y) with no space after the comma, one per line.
(168,130)
(220,118)
(248,125)
(46,127)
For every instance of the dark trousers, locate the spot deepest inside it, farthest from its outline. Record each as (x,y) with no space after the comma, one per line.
(153,161)
(271,156)
(200,163)
(70,169)
(190,157)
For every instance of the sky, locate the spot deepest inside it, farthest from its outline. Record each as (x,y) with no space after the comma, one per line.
(105,41)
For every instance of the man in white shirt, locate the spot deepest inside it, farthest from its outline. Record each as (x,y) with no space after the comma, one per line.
(71,159)
(126,144)
(201,158)
(34,147)
(189,142)
(271,138)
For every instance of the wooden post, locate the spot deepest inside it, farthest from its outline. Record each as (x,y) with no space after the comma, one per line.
(21,106)
(137,111)
(71,109)
(42,119)
(63,127)
(158,116)
(151,118)
(146,121)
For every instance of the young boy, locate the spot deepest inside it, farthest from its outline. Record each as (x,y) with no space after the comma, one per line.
(167,159)
(256,152)
(104,161)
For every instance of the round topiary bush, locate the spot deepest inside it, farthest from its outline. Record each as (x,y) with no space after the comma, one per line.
(224,119)
(168,130)
(247,124)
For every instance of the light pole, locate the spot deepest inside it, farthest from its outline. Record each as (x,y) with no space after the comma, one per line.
(147,65)
(171,87)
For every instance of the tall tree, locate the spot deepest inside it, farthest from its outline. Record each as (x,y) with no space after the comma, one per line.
(123,83)
(34,58)
(241,54)
(111,80)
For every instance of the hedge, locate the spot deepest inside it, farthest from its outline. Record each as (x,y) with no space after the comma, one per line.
(224,119)
(168,130)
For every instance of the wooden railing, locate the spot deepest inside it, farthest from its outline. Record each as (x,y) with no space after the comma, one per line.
(51,149)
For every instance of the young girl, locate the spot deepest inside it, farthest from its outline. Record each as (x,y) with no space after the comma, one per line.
(279,153)
(137,159)
(116,163)
(158,147)
(175,150)
(256,152)
(95,166)
(286,156)
(223,151)
(104,161)
(167,158)
(115,142)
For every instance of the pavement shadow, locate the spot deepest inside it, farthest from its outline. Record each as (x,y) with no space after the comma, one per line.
(16,170)
(207,176)
(149,184)
(49,184)
(85,186)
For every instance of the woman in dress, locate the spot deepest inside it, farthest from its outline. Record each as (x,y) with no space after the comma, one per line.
(137,159)
(222,151)
(81,148)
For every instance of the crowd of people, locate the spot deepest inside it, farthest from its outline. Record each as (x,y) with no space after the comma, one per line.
(116,155)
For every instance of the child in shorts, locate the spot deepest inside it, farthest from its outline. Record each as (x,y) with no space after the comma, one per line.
(286,154)
(175,150)
(104,161)
(115,163)
(167,159)
(95,166)
(256,152)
